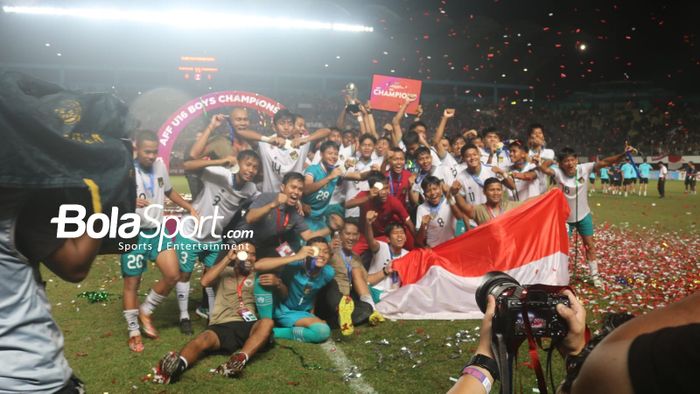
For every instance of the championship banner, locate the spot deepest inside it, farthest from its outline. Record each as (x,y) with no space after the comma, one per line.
(389,93)
(178,121)
(529,243)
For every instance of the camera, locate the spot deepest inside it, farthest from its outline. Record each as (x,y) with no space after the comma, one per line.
(514,301)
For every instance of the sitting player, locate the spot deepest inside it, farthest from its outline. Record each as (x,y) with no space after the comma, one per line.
(233,326)
(304,274)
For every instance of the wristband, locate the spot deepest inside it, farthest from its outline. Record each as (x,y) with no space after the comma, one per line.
(265,138)
(478,375)
(384,271)
(486,363)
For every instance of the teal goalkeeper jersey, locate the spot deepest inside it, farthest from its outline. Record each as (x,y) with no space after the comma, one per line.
(320,199)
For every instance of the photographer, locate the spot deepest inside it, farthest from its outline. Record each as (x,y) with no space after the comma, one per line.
(654,353)
(478,375)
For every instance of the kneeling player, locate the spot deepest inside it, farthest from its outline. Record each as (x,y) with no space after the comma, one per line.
(233,326)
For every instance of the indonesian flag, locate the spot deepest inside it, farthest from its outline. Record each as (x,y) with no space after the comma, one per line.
(529,243)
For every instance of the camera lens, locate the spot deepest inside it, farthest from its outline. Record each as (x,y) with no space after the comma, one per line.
(494,283)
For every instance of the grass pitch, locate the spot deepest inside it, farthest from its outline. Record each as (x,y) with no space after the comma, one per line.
(395,357)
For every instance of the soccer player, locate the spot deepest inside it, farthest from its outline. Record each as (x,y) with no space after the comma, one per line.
(605,179)
(448,155)
(661,183)
(536,141)
(383,253)
(320,181)
(336,136)
(304,274)
(571,179)
(364,163)
(224,190)
(152,186)
(390,209)
(522,174)
(494,154)
(273,219)
(426,168)
(494,206)
(472,178)
(628,176)
(591,180)
(644,170)
(282,153)
(347,299)
(399,177)
(233,327)
(438,215)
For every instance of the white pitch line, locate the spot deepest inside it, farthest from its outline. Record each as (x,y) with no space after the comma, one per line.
(341,362)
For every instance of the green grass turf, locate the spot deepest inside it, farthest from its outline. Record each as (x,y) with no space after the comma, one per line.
(416,359)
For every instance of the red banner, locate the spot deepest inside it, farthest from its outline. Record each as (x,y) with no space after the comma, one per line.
(389,93)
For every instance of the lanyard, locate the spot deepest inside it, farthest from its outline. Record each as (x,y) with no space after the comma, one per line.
(348,266)
(421,176)
(279,218)
(151,186)
(231,132)
(434,210)
(476,178)
(493,216)
(233,181)
(239,291)
(391,183)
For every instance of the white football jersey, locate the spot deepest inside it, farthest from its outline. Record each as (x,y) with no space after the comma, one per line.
(152,186)
(277,162)
(380,260)
(443,224)
(219,192)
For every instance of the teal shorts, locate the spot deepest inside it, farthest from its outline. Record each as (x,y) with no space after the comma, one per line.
(289,318)
(188,251)
(135,261)
(583,226)
(376,294)
(316,223)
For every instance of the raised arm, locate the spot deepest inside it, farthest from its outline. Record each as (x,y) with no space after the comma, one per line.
(271,263)
(198,164)
(315,136)
(212,274)
(397,134)
(369,233)
(197,150)
(608,161)
(440,132)
(256,214)
(369,119)
(311,187)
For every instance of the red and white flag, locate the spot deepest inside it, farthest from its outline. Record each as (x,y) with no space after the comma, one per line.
(529,243)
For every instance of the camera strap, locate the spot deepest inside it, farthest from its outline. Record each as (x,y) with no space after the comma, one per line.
(532,347)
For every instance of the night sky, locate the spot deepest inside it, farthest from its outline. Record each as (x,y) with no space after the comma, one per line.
(536,43)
